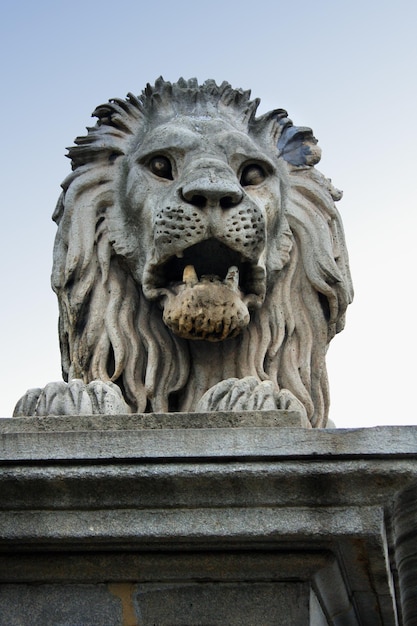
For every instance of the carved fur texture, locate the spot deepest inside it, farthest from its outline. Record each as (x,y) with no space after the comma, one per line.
(178,196)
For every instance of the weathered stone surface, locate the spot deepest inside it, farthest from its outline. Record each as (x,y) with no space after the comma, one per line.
(188,436)
(154,421)
(330,514)
(405,531)
(59,605)
(234,604)
(199,262)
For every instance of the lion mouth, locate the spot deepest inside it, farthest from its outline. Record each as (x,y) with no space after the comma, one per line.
(209,261)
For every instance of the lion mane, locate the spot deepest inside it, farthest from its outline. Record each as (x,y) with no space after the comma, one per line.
(111,331)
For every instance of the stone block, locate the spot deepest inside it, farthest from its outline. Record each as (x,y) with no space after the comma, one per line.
(134,518)
(234,604)
(59,605)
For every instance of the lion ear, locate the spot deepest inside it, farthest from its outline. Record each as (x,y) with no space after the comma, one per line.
(297,145)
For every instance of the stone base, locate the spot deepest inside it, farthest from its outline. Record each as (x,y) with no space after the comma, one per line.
(231,604)
(206,520)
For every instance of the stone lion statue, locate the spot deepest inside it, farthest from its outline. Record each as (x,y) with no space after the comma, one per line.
(199,263)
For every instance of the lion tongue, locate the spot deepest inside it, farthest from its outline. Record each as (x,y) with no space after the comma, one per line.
(231,280)
(210,308)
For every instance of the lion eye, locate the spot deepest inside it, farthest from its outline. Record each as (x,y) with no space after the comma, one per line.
(252,175)
(161,166)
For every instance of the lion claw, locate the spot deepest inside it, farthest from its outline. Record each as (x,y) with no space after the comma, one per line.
(287,401)
(248,394)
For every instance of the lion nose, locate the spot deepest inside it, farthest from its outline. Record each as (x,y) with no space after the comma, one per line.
(204,192)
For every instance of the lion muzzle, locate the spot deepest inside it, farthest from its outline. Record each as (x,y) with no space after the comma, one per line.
(208,309)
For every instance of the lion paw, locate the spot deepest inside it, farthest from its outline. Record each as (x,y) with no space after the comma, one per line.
(73,398)
(248,394)
(239,394)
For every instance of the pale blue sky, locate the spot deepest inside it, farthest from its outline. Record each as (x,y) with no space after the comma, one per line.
(347,69)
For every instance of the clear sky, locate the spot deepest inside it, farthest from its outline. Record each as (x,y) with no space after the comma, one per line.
(347,69)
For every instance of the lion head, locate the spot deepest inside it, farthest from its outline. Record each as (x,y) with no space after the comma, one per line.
(197,242)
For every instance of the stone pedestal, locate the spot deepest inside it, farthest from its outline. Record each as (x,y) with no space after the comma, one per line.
(216,519)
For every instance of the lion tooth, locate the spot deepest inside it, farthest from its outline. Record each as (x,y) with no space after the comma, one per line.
(179,255)
(232,278)
(189,276)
